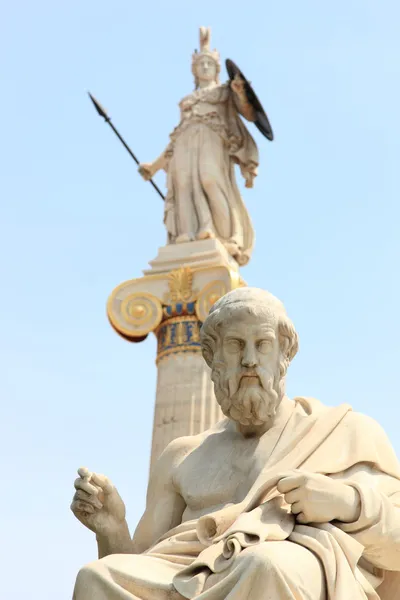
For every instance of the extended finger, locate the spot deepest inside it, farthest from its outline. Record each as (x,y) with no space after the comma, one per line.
(83,484)
(287,484)
(103,482)
(84,472)
(78,506)
(93,500)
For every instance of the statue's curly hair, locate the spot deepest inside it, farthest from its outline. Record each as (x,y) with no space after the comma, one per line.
(255,302)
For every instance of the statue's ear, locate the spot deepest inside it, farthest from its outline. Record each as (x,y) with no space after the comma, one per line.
(209,344)
(288,340)
(207,354)
(284,344)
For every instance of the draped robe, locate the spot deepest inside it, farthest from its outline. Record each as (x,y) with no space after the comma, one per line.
(256,549)
(202,192)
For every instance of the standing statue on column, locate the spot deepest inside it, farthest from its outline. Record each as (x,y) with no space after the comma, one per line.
(203,200)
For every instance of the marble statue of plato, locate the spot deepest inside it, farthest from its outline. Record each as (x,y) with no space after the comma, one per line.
(203,199)
(282,500)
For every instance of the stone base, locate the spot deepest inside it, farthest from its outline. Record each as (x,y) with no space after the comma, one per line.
(200,254)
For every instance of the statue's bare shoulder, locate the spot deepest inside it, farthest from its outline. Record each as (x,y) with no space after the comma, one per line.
(165,504)
(180,448)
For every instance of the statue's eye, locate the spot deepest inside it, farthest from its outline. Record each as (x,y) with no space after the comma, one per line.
(264,346)
(233,345)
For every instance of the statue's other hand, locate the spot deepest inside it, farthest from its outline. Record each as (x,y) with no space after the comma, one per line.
(316,498)
(248,176)
(249,180)
(237,84)
(147,171)
(97,503)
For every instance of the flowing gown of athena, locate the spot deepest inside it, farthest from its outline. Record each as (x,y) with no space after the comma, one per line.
(203,199)
(283,500)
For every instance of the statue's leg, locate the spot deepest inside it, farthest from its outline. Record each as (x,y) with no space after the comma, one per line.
(182,172)
(216,194)
(211,197)
(271,570)
(127,577)
(184,209)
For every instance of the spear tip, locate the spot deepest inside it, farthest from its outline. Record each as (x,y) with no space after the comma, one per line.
(101,111)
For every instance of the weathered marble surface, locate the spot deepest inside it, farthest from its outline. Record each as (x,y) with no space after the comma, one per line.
(203,199)
(283,499)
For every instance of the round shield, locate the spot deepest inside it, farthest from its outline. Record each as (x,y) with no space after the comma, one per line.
(261,121)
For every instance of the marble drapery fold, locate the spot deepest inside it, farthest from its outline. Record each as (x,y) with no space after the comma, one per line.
(203,197)
(258,546)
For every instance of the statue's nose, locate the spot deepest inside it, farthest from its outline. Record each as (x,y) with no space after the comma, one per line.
(249,359)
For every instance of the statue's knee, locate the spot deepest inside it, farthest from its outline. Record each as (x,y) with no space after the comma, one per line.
(259,558)
(210,186)
(184,189)
(86,575)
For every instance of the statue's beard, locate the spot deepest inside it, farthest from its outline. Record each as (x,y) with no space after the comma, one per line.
(248,401)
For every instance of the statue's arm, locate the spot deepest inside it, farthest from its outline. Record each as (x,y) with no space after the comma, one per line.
(161,161)
(117,541)
(148,170)
(247,156)
(378,525)
(164,504)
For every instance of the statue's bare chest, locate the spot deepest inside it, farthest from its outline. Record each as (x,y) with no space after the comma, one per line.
(220,471)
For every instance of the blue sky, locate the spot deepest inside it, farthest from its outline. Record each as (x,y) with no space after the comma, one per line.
(77,220)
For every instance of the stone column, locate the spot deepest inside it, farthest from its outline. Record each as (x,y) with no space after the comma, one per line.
(185,401)
(172,300)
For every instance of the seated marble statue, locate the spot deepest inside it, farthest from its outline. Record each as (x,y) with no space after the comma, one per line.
(282,500)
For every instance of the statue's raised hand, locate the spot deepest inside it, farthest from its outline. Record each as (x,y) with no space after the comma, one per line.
(238,85)
(97,503)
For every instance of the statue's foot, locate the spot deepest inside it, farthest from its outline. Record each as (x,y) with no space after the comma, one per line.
(232,247)
(205,234)
(185,237)
(242,258)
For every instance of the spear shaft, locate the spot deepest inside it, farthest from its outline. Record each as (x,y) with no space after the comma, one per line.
(101,111)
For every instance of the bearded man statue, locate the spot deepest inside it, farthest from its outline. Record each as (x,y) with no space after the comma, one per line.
(282,500)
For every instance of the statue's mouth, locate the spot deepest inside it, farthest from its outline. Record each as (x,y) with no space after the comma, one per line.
(249,374)
(250,379)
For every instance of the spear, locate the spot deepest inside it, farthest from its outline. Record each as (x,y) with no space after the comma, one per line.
(101,111)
